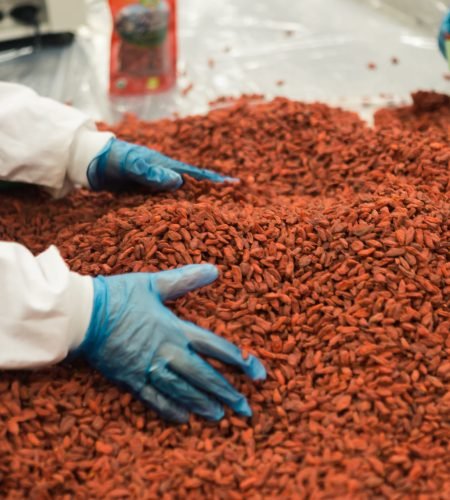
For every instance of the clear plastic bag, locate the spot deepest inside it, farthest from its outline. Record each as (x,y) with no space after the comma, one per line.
(143,56)
(306,50)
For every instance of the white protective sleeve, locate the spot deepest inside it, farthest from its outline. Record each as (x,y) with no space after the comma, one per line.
(45,309)
(45,142)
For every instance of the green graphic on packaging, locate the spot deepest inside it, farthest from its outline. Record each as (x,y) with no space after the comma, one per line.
(153,83)
(150,3)
(121,83)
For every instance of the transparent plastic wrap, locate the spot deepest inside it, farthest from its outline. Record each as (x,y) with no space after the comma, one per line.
(358,54)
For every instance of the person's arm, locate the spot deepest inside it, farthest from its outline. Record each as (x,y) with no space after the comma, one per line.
(45,142)
(121,326)
(44,308)
(56,146)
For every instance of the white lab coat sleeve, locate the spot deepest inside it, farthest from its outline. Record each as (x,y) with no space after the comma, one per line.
(45,308)
(45,142)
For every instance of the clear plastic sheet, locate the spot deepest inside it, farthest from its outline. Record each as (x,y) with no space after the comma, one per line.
(306,49)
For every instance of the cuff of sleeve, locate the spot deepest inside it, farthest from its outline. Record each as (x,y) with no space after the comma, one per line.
(81,298)
(87,144)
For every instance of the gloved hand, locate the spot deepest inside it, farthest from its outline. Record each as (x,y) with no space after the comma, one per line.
(133,339)
(121,163)
(443,32)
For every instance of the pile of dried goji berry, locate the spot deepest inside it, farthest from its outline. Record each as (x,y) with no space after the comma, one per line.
(335,271)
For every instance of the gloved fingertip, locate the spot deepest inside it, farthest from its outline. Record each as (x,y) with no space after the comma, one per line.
(233,180)
(242,408)
(255,369)
(210,271)
(202,274)
(216,414)
(171,180)
(177,184)
(181,417)
(220,179)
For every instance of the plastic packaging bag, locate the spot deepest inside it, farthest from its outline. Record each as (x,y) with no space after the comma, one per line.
(143,46)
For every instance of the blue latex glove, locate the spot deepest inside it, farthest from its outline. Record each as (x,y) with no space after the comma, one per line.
(443,31)
(134,340)
(121,163)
